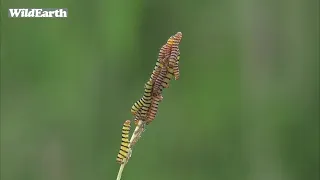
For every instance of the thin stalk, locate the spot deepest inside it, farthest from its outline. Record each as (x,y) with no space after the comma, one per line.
(120,172)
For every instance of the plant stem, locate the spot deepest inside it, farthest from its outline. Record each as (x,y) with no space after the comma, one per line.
(120,171)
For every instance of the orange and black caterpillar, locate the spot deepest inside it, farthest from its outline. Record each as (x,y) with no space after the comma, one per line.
(164,78)
(174,53)
(152,110)
(165,50)
(176,70)
(170,53)
(166,67)
(168,56)
(160,77)
(143,104)
(124,152)
(154,107)
(160,83)
(164,53)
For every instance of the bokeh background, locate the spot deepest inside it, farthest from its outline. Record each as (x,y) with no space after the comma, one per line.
(245,108)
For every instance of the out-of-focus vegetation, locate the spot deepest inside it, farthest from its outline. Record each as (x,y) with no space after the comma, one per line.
(245,108)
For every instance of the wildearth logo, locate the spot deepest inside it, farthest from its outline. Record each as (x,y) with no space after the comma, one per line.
(38,13)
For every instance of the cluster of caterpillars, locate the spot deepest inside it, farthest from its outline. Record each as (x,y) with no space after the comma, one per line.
(146,108)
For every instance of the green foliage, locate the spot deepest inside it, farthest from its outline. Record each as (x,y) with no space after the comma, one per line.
(245,107)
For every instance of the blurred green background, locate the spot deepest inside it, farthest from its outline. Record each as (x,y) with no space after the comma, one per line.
(246,106)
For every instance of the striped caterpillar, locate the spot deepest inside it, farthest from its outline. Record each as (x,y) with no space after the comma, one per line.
(125,151)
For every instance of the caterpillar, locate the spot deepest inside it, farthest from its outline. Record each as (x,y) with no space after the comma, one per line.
(150,117)
(162,81)
(165,76)
(170,54)
(153,109)
(166,67)
(165,49)
(161,77)
(143,104)
(165,55)
(174,53)
(156,70)
(124,152)
(176,70)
